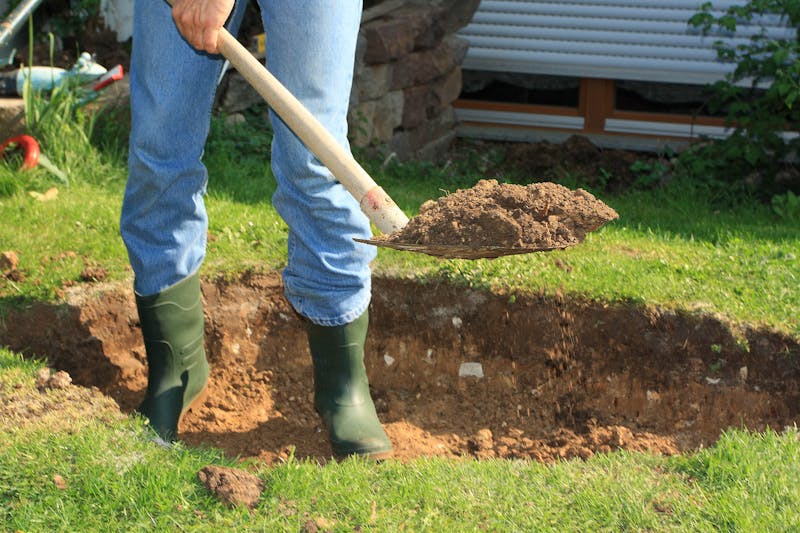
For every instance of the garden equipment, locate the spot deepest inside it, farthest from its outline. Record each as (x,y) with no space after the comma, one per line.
(32,156)
(341,389)
(172,327)
(374,201)
(85,70)
(92,92)
(30,150)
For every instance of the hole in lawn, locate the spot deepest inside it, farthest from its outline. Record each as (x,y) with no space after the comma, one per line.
(561,378)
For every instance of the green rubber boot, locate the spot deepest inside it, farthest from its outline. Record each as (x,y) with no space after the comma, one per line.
(172,326)
(341,390)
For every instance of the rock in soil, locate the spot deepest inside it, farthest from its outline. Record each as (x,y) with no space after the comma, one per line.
(231,485)
(48,379)
(542,215)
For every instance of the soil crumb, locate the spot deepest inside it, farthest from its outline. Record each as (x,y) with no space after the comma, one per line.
(542,216)
(232,486)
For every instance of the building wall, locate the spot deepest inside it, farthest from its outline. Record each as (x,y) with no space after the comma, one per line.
(643,40)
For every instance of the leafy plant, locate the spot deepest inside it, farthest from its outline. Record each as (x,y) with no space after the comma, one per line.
(787,206)
(759,98)
(74,17)
(649,173)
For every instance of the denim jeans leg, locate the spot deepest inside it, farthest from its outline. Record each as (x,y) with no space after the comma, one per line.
(311,50)
(163,221)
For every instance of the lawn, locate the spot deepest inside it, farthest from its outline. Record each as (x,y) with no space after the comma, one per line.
(66,467)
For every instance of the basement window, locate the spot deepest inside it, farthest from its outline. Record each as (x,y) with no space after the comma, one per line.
(516,88)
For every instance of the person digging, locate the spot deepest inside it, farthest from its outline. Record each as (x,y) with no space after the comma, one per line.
(164,223)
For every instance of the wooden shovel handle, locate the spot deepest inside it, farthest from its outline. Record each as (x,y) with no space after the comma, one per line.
(374,201)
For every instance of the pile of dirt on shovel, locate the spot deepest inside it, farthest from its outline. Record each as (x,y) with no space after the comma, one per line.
(541,216)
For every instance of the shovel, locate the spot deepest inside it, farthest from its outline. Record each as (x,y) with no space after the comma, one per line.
(373,200)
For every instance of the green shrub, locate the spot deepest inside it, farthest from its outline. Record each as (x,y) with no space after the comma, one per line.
(760,99)
(787,206)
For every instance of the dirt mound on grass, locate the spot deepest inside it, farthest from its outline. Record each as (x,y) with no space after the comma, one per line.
(454,372)
(606,169)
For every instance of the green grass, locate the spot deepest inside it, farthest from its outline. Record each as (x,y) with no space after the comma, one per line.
(671,247)
(116,479)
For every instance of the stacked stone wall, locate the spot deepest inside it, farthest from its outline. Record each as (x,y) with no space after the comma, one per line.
(408,74)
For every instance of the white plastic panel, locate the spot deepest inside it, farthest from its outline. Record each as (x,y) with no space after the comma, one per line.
(646,40)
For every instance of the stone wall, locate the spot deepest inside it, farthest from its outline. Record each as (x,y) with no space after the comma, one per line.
(408,74)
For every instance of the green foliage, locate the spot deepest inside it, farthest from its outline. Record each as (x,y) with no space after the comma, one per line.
(74,17)
(759,98)
(650,173)
(787,206)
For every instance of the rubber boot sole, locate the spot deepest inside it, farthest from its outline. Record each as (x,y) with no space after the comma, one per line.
(377,456)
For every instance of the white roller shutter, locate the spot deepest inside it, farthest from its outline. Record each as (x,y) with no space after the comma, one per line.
(646,40)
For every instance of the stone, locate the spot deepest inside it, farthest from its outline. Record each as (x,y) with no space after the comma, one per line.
(417,102)
(232,486)
(457,13)
(396,33)
(434,134)
(422,67)
(435,149)
(447,89)
(458,48)
(426,20)
(9,260)
(373,81)
(389,39)
(471,369)
(426,101)
(239,95)
(388,116)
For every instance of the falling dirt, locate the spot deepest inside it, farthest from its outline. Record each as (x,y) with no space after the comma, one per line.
(541,215)
(558,378)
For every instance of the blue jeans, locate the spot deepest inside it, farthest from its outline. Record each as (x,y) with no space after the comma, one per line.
(310,49)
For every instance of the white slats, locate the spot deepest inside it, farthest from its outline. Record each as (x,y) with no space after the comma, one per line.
(648,40)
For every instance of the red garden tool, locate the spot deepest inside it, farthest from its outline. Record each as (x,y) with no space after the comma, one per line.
(30,150)
(32,155)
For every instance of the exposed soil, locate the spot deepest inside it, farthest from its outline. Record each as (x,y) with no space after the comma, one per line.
(602,169)
(545,378)
(542,216)
(100,43)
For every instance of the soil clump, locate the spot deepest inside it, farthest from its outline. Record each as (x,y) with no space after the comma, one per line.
(543,216)
(231,485)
